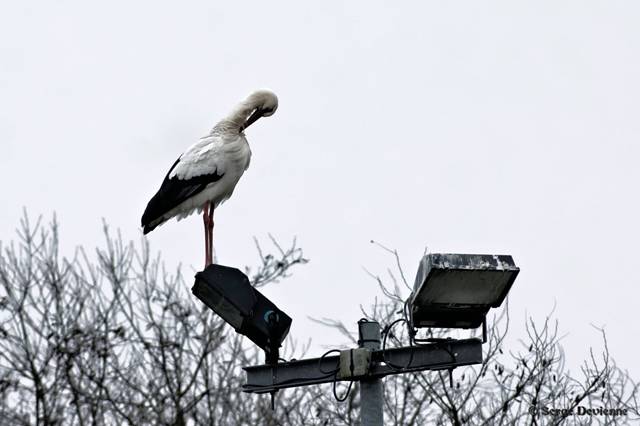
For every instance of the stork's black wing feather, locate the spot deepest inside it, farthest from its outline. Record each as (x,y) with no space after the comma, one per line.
(172,192)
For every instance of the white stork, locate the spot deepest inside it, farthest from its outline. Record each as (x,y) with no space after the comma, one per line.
(206,174)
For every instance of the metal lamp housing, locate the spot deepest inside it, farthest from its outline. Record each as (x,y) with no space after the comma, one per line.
(457,290)
(228,292)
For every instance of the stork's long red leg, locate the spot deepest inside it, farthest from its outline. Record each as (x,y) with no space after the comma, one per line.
(211,207)
(206,219)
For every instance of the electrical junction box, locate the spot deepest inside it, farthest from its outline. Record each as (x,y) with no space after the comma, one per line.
(354,363)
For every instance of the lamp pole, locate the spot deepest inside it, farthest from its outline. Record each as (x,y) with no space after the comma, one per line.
(370,389)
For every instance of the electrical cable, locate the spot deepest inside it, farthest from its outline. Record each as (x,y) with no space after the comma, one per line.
(322,357)
(335,380)
(346,395)
(413,341)
(439,342)
(385,333)
(325,375)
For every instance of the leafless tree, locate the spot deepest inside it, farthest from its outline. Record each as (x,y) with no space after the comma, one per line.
(114,338)
(119,340)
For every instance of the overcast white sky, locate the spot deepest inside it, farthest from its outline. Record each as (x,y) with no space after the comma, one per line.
(472,127)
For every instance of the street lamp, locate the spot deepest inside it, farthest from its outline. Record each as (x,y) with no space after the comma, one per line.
(228,293)
(457,290)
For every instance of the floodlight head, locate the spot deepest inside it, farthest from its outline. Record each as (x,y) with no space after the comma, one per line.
(457,290)
(229,294)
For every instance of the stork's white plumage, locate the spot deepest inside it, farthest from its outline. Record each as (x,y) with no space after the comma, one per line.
(206,174)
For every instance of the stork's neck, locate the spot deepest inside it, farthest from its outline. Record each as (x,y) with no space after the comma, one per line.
(237,117)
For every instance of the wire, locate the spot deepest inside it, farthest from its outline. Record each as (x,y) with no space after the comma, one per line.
(386,332)
(405,311)
(413,341)
(346,395)
(335,371)
(439,342)
(335,374)
(326,374)
(335,380)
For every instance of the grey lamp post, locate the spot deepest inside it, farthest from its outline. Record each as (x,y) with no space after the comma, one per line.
(370,389)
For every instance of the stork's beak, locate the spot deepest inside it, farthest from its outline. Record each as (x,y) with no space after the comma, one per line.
(252,119)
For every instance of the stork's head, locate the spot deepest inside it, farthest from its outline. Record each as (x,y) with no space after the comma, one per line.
(261,103)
